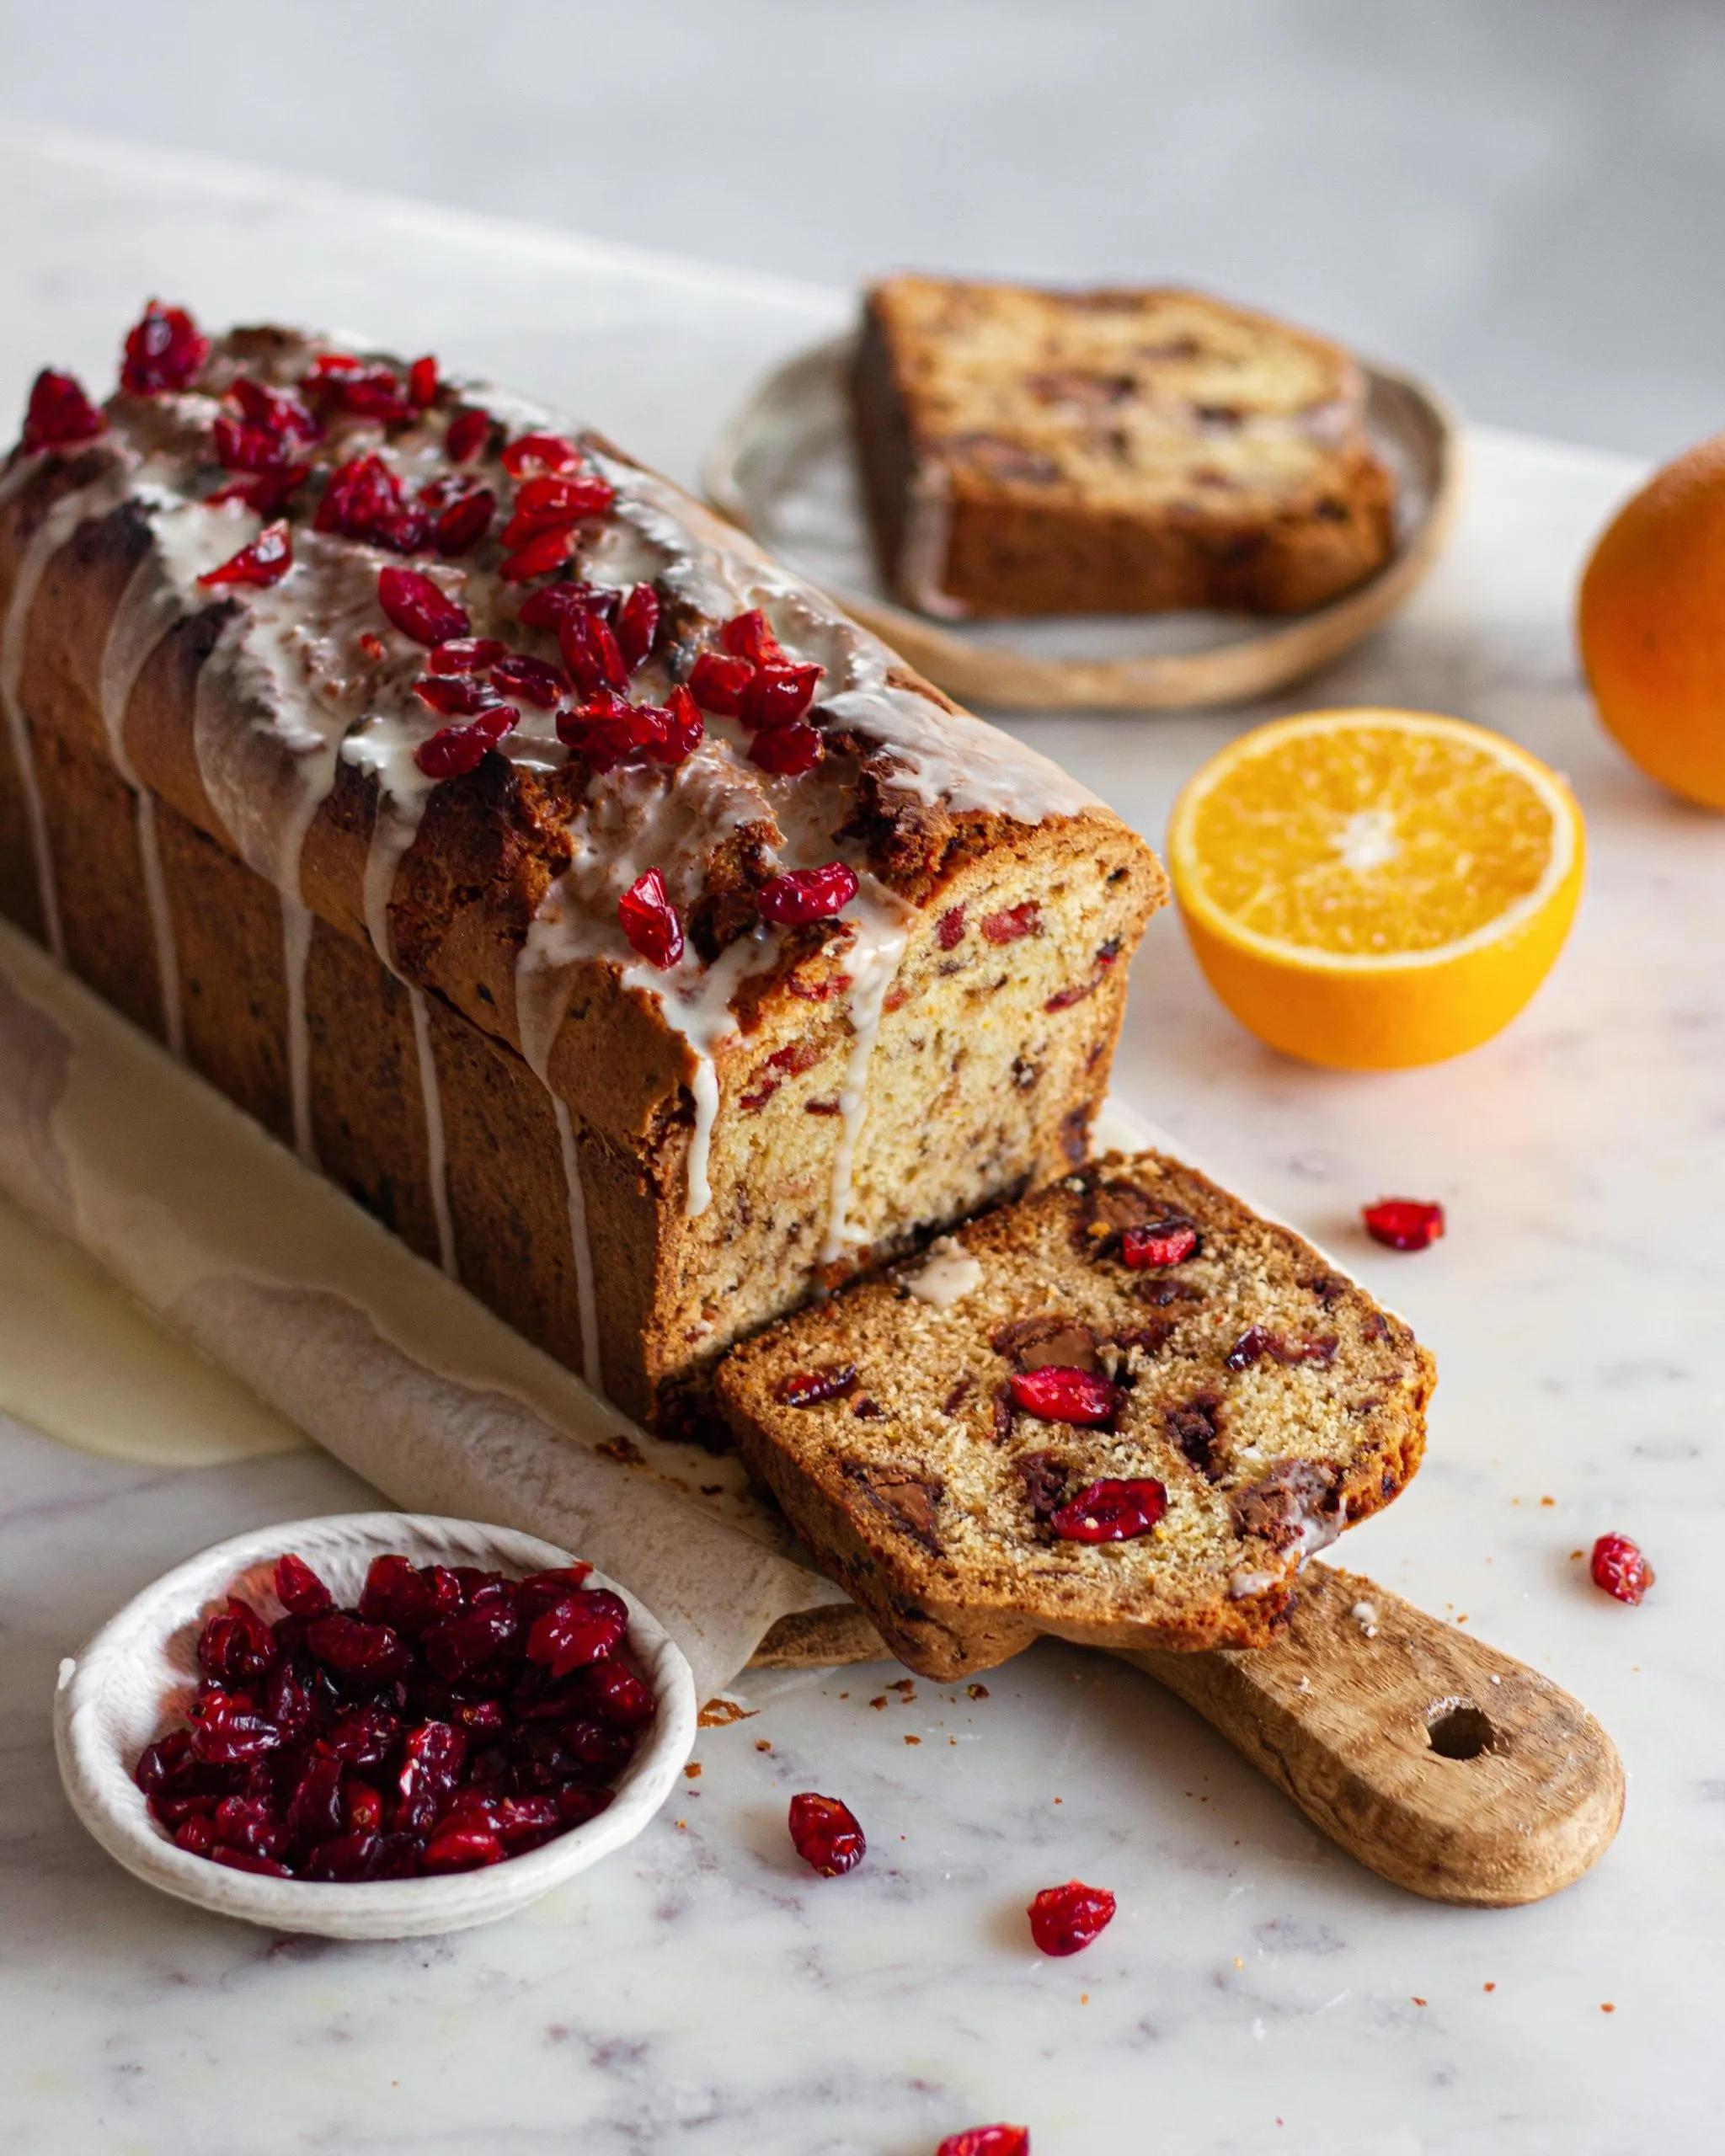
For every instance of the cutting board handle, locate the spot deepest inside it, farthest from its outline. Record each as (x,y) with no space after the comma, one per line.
(1448,1768)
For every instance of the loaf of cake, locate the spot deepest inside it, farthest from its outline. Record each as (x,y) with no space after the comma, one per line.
(1124,1409)
(1111,452)
(629,930)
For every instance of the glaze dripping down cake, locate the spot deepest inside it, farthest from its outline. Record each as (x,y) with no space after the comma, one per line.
(629,930)
(1102,452)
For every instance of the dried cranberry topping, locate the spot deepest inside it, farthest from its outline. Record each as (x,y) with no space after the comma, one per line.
(1064,1918)
(1166,1243)
(950,928)
(464,523)
(718,682)
(551,606)
(454,1717)
(420,608)
(683,729)
(266,561)
(809,1388)
(455,695)
(787,750)
(268,493)
(825,1835)
(1619,1568)
(422,383)
(59,413)
(453,752)
(1403,1223)
(776,695)
(467,654)
(1017,921)
(279,412)
(749,635)
(637,625)
(540,453)
(1056,1392)
(590,651)
(468,433)
(987,2141)
(553,502)
(164,351)
(1112,1510)
(548,551)
(535,680)
(649,921)
(806,894)
(364,500)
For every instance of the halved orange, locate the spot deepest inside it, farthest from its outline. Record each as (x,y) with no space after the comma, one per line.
(1375,888)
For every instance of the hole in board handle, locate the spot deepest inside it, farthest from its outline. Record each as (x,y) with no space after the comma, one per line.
(1456,1729)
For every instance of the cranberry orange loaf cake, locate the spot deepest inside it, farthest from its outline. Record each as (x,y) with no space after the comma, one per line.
(1111,452)
(1123,1409)
(627,929)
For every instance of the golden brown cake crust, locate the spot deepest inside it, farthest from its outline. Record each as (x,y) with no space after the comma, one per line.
(1115,452)
(160,732)
(1270,1398)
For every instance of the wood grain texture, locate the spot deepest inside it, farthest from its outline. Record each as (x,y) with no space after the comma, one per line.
(1443,1766)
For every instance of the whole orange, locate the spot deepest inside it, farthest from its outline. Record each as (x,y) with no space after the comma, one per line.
(1651,622)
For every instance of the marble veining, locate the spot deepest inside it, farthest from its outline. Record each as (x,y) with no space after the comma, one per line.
(1257,1992)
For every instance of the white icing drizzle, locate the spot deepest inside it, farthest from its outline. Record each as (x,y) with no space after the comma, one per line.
(147,608)
(586,1303)
(96,499)
(947,1273)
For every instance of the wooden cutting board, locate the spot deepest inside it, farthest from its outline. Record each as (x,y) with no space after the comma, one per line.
(1441,1764)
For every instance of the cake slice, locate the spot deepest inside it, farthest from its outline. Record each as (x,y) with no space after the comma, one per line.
(1124,1409)
(1111,452)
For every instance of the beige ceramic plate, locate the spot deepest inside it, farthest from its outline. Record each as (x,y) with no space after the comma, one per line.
(785,470)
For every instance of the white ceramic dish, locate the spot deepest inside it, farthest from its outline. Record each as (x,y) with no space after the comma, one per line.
(785,469)
(112,1695)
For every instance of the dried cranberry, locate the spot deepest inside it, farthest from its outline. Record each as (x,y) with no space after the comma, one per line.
(1619,1568)
(345,1858)
(786,751)
(420,608)
(267,492)
(456,695)
(236,1647)
(1169,1243)
(950,928)
(637,625)
(809,1388)
(466,435)
(396,1594)
(540,453)
(612,1691)
(987,2141)
(196,1835)
(749,635)
(363,1736)
(164,351)
(1016,921)
(825,1834)
(464,522)
(59,413)
(806,894)
(457,1645)
(1064,1918)
(552,503)
(776,695)
(363,499)
(266,561)
(457,1848)
(577,1802)
(1111,1510)
(718,682)
(361,1806)
(248,1860)
(541,1591)
(552,604)
(1058,1393)
(588,1627)
(314,1807)
(367,388)
(453,752)
(355,1649)
(433,1756)
(299,1589)
(682,730)
(164,1764)
(422,382)
(228,1735)
(467,654)
(591,653)
(650,921)
(1403,1223)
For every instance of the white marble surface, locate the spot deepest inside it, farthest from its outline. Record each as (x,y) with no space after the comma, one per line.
(703,1992)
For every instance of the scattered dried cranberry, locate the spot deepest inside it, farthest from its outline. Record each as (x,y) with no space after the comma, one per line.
(650,921)
(950,928)
(467,654)
(1017,921)
(809,1388)
(418,608)
(1619,1568)
(718,682)
(546,551)
(1064,1918)
(364,500)
(553,503)
(787,750)
(806,894)
(825,1835)
(776,695)
(266,561)
(164,351)
(1258,1341)
(637,625)
(467,435)
(683,729)
(59,413)
(455,695)
(987,2141)
(422,382)
(749,635)
(453,752)
(464,523)
(552,604)
(535,680)
(1169,1243)
(592,652)
(1111,1510)
(413,1734)
(1058,1392)
(1403,1223)
(540,453)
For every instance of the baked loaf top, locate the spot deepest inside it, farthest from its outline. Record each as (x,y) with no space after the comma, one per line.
(1121,399)
(472,683)
(1124,1410)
